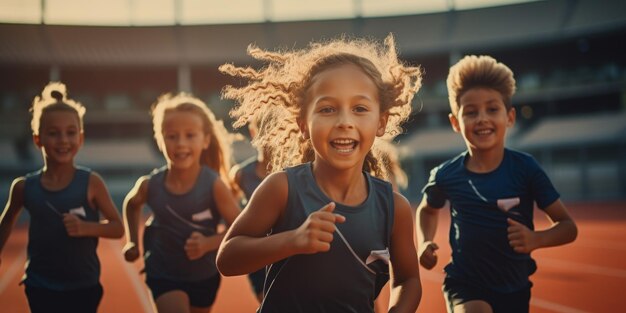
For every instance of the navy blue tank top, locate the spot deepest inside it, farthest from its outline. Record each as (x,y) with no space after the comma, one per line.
(344,279)
(57,261)
(174,218)
(248,179)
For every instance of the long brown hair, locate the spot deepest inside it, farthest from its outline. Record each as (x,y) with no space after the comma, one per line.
(218,155)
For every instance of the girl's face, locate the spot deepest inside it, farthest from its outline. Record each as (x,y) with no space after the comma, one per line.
(59,136)
(482,119)
(342,116)
(183,139)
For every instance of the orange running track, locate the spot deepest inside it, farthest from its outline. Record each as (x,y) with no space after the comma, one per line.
(588,275)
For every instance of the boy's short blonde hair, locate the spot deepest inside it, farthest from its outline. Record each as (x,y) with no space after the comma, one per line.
(479,71)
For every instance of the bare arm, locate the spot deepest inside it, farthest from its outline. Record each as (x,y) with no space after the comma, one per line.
(246,248)
(406,289)
(12,210)
(134,201)
(427,218)
(562,231)
(99,198)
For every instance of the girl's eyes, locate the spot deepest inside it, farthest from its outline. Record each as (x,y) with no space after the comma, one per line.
(358,109)
(326,110)
(57,133)
(361,108)
(175,136)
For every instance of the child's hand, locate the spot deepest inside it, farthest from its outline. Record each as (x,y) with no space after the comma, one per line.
(427,254)
(522,239)
(194,247)
(131,252)
(74,226)
(316,233)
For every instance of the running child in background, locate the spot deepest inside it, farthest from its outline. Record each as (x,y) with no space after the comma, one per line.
(491,190)
(64,202)
(188,198)
(251,172)
(324,226)
(387,152)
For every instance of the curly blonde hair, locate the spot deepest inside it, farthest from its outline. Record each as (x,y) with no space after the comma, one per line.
(218,155)
(287,76)
(479,71)
(54,98)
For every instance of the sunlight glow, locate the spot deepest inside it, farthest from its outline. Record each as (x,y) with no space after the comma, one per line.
(185,12)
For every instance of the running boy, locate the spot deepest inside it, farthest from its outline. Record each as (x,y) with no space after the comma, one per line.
(491,190)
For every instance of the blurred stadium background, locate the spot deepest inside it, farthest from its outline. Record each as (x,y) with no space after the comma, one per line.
(117,56)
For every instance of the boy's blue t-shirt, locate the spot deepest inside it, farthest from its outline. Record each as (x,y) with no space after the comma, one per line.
(480,204)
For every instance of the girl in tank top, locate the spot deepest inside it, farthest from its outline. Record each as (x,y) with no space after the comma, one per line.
(188,198)
(65,203)
(324,228)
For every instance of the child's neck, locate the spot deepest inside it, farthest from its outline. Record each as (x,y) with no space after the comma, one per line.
(57,176)
(180,181)
(484,161)
(344,186)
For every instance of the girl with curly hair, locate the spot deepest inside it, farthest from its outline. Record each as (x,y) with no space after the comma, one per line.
(326,229)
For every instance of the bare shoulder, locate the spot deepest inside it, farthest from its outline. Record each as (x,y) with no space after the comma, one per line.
(96,180)
(276,180)
(271,195)
(401,205)
(235,173)
(18,184)
(16,195)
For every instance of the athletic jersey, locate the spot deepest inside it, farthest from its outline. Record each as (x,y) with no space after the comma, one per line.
(57,261)
(174,218)
(480,204)
(248,179)
(344,278)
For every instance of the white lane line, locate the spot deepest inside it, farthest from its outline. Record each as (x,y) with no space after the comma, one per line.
(16,266)
(132,274)
(581,267)
(548,305)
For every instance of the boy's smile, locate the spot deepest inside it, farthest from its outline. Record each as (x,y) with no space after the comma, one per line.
(482,119)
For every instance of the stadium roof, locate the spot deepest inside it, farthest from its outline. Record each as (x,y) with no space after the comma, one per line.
(416,34)
(191,12)
(574,131)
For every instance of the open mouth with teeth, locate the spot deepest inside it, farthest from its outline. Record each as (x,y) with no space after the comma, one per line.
(484,132)
(344,145)
(181,155)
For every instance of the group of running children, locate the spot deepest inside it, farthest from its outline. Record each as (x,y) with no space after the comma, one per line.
(323,228)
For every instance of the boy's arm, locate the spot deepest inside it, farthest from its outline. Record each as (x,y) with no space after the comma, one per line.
(247,248)
(12,210)
(406,289)
(427,218)
(99,198)
(133,202)
(562,231)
